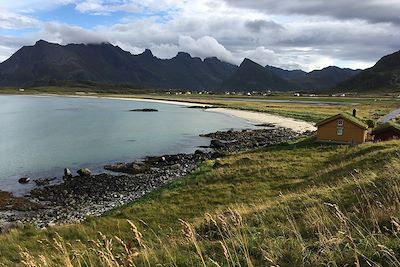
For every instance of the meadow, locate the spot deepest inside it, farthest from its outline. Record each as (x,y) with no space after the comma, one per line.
(296,204)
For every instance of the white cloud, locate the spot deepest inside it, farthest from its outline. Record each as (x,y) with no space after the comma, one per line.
(66,34)
(99,7)
(11,20)
(205,46)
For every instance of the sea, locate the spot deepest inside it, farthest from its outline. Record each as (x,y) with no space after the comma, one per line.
(42,135)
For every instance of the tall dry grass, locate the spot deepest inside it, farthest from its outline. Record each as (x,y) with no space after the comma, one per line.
(352,222)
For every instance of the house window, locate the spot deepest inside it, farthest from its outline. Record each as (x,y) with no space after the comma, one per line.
(339,122)
(339,130)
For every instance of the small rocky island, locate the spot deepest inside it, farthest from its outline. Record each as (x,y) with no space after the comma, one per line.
(144,110)
(86,194)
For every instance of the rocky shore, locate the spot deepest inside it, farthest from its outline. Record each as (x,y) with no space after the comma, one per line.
(80,196)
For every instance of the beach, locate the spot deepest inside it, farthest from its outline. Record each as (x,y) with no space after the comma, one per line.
(251,116)
(260,118)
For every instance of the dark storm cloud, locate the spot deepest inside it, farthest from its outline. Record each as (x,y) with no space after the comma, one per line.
(259,24)
(369,10)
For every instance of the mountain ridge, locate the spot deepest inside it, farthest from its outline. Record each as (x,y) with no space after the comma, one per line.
(383,76)
(105,63)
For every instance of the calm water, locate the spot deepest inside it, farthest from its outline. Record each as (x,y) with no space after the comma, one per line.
(40,136)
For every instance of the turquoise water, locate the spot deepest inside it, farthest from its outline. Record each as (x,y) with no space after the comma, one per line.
(40,136)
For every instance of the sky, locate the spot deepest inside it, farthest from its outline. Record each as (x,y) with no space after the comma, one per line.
(291,34)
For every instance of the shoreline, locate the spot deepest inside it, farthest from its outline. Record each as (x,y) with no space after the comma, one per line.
(80,196)
(250,116)
(75,198)
(263,118)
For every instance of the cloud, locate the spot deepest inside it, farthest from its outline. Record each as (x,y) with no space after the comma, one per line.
(259,25)
(205,46)
(10,20)
(370,10)
(99,7)
(65,34)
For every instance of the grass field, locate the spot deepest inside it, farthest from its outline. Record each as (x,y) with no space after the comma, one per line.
(300,204)
(297,204)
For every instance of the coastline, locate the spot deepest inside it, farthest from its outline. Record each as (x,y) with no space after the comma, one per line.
(80,196)
(77,197)
(250,116)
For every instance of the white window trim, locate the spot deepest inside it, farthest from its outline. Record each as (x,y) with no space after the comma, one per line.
(340,122)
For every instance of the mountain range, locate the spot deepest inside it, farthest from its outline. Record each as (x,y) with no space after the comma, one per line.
(44,63)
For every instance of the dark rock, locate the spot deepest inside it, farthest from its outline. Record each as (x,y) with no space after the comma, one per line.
(144,110)
(217,165)
(84,172)
(44,181)
(24,180)
(131,168)
(270,125)
(67,173)
(217,144)
(203,107)
(199,152)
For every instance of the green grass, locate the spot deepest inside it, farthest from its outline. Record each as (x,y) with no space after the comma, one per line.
(280,193)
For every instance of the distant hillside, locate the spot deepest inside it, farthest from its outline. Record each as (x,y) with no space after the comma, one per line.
(286,74)
(383,76)
(316,80)
(252,76)
(105,63)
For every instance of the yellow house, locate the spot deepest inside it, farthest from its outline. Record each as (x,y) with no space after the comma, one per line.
(342,128)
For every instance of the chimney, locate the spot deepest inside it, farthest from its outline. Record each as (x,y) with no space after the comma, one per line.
(354,112)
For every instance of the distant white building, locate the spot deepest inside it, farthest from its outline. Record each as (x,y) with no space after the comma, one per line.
(21,90)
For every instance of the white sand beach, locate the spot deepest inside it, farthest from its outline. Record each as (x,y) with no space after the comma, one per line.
(259,117)
(251,116)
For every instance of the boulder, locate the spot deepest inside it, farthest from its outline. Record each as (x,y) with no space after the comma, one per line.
(44,181)
(24,180)
(84,172)
(217,165)
(217,144)
(199,152)
(67,173)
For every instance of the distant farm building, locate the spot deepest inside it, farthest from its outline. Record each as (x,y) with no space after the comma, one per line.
(387,131)
(342,128)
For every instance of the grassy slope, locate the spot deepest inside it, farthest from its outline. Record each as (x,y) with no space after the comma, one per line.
(280,193)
